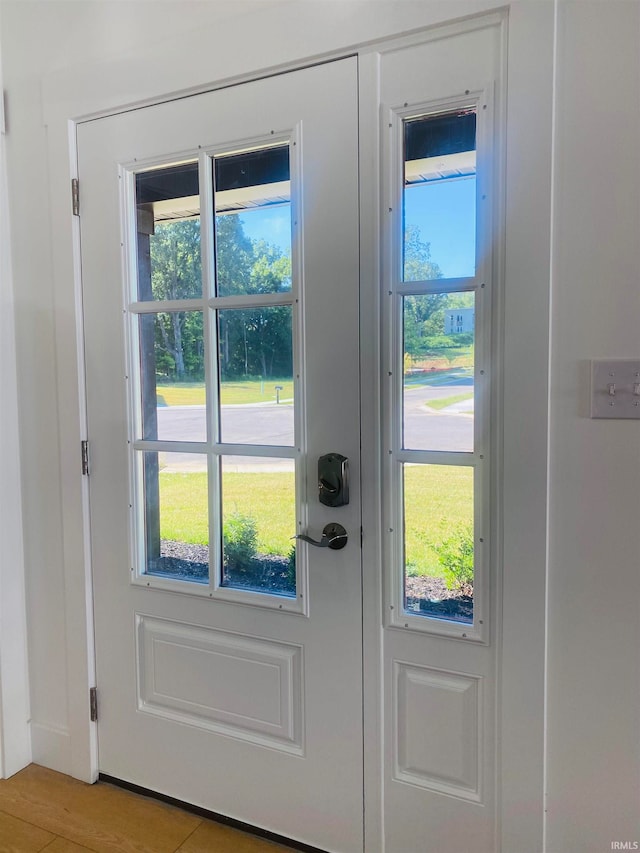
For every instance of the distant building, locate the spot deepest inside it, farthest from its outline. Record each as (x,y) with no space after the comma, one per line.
(459,320)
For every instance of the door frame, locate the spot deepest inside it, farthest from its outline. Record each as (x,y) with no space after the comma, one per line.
(15,739)
(528,60)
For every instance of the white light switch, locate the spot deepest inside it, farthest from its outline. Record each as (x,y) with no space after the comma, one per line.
(615,388)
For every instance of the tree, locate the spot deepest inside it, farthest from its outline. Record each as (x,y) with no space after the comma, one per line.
(271,270)
(176,274)
(254,341)
(234,256)
(423,315)
(418,265)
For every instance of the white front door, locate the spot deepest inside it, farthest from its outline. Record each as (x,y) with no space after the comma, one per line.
(229,663)
(223,404)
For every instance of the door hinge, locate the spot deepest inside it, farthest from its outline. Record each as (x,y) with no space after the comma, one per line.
(93,703)
(84,446)
(75,196)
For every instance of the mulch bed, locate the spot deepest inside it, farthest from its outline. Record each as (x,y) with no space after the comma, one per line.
(430,597)
(182,561)
(425,596)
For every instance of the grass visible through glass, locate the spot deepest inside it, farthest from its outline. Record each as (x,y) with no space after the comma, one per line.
(176,515)
(258,521)
(439,541)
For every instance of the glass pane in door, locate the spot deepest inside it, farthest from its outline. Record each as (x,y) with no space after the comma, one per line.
(439,565)
(168,233)
(176,514)
(171,346)
(438,385)
(439,204)
(256,376)
(253,221)
(258,521)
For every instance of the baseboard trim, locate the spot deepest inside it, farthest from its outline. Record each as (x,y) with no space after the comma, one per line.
(209,815)
(51,747)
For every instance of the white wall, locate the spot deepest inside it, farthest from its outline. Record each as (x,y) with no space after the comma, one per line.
(593,769)
(594,559)
(15,745)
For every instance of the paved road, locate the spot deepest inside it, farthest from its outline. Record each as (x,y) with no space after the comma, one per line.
(264,423)
(437,429)
(424,428)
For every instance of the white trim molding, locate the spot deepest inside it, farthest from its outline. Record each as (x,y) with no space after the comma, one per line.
(15,743)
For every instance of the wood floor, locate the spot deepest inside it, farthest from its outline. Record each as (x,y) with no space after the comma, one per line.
(44,810)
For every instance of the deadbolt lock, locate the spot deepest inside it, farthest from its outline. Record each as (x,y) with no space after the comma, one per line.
(333,479)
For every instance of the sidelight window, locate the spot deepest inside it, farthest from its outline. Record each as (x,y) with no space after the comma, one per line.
(439,269)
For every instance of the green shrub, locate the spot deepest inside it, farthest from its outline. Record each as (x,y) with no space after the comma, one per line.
(240,538)
(291,568)
(455,555)
(411,569)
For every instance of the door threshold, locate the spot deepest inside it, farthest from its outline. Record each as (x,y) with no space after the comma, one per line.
(209,815)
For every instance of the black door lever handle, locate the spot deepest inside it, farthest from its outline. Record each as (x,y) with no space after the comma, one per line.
(334,536)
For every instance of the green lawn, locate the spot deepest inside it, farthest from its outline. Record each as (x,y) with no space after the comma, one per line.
(181,394)
(439,499)
(268,497)
(183,507)
(231,393)
(443,402)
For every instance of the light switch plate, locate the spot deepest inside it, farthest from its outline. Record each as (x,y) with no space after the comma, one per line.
(615,388)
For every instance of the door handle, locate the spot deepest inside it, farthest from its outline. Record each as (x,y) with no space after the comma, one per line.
(334,536)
